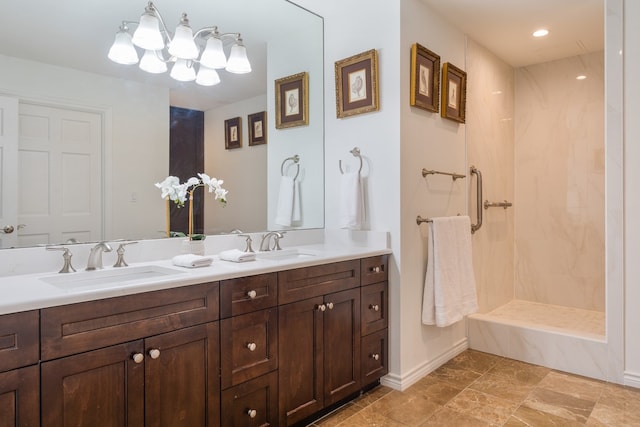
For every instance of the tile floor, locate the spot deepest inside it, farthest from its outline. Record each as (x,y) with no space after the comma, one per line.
(480,389)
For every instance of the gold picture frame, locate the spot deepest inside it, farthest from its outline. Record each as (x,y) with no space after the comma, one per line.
(292,101)
(454,93)
(233,133)
(357,84)
(257,124)
(425,78)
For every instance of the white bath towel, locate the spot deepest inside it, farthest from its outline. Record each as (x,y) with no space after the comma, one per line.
(450,287)
(297,214)
(191,260)
(284,209)
(236,255)
(351,201)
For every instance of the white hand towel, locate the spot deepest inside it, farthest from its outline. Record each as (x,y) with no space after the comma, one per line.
(284,210)
(296,216)
(236,255)
(191,260)
(351,201)
(450,288)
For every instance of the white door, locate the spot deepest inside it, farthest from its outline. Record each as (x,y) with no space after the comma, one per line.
(8,171)
(60,175)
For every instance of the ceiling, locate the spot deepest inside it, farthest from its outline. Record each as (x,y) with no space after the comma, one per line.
(504,26)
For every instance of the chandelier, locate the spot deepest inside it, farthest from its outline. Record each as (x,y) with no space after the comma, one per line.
(182,50)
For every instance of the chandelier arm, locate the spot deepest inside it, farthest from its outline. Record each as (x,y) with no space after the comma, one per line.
(212,30)
(153,8)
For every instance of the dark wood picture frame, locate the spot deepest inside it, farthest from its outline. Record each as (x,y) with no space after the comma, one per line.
(292,101)
(257,124)
(425,78)
(454,93)
(233,133)
(357,84)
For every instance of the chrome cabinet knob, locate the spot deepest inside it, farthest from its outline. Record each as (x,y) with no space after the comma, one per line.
(252,346)
(330,305)
(138,357)
(252,294)
(154,353)
(374,307)
(375,356)
(321,307)
(252,413)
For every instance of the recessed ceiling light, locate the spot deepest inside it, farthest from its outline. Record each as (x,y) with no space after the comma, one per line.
(581,77)
(540,33)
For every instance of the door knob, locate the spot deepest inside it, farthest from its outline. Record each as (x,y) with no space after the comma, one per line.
(138,357)
(154,353)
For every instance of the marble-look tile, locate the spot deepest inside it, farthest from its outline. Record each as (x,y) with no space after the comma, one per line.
(446,417)
(456,377)
(624,399)
(372,395)
(414,412)
(339,415)
(573,385)
(434,390)
(483,406)
(520,371)
(559,404)
(604,415)
(528,417)
(369,417)
(475,361)
(503,387)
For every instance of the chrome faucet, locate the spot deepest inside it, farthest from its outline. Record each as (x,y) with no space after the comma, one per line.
(95,256)
(266,238)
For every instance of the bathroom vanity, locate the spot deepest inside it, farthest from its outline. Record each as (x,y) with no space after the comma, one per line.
(272,343)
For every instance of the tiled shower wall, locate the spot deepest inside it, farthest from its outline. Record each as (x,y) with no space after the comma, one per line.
(559,182)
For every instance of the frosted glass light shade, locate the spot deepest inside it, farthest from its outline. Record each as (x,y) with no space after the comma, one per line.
(122,50)
(238,62)
(151,63)
(207,76)
(147,35)
(213,55)
(182,45)
(181,71)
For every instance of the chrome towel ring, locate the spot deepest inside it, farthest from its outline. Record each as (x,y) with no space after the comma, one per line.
(356,153)
(295,159)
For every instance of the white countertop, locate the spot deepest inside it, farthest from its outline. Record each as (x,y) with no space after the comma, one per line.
(28,291)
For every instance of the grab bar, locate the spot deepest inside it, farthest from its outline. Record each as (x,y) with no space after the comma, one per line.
(295,159)
(506,204)
(478,174)
(454,176)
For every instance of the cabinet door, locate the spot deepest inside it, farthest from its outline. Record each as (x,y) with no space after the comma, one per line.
(252,404)
(300,360)
(182,377)
(20,398)
(374,357)
(99,388)
(341,345)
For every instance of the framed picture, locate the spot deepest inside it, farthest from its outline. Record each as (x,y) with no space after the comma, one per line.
(425,78)
(233,133)
(357,84)
(257,123)
(454,93)
(292,102)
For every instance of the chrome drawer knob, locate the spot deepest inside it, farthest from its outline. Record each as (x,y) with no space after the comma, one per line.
(374,307)
(252,294)
(252,346)
(138,357)
(154,353)
(252,413)
(375,356)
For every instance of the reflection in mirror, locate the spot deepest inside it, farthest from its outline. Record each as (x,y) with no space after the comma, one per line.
(91,137)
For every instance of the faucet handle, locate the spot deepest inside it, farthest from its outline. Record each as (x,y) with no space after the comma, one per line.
(120,262)
(248,241)
(276,238)
(67,267)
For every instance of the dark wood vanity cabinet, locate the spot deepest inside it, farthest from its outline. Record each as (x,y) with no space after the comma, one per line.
(375,320)
(149,359)
(19,373)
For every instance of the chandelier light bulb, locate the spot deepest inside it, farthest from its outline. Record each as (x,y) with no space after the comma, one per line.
(122,50)
(238,62)
(207,76)
(183,71)
(213,55)
(182,45)
(147,35)
(152,63)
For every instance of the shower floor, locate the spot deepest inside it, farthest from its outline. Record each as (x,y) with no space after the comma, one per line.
(552,317)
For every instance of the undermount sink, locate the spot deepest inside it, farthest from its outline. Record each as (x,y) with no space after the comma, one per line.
(117,276)
(289,253)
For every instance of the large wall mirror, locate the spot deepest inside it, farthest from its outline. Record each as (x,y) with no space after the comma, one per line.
(84,139)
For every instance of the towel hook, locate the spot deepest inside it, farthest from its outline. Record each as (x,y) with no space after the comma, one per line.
(356,153)
(295,159)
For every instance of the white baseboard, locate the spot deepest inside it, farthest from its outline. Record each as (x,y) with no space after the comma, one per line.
(402,383)
(632,379)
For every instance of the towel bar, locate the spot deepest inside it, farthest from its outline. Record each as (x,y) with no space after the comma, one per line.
(505,204)
(454,176)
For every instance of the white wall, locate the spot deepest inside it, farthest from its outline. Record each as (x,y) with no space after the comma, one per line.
(136,136)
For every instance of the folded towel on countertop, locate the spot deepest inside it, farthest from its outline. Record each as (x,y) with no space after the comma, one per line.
(351,201)
(450,287)
(191,260)
(236,255)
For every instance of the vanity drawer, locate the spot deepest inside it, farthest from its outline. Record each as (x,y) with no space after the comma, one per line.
(307,282)
(247,294)
(250,346)
(75,328)
(19,336)
(374,307)
(374,357)
(374,269)
(254,403)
